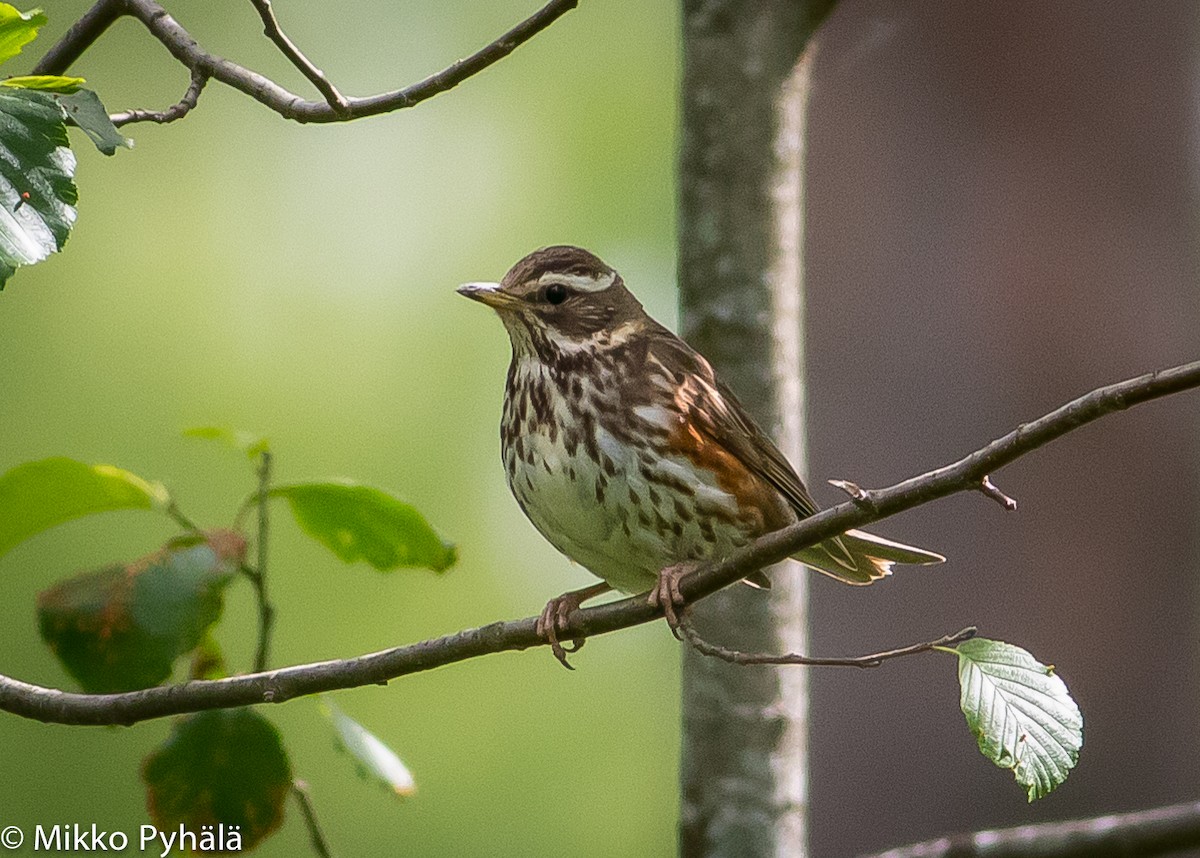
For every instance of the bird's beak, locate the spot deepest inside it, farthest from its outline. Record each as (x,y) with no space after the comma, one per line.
(488,293)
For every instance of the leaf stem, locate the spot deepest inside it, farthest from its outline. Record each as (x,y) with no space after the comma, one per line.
(319,844)
(258,575)
(182,520)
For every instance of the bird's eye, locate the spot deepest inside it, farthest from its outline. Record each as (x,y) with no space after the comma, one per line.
(556,293)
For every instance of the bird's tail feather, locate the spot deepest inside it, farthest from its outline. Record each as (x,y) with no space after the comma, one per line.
(871,557)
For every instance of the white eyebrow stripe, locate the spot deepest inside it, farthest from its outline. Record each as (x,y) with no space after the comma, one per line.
(582,282)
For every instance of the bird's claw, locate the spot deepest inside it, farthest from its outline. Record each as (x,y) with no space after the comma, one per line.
(666,595)
(553,620)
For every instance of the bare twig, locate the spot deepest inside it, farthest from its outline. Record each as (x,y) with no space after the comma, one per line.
(176,111)
(287,47)
(187,51)
(988,489)
(52,705)
(319,844)
(1144,833)
(871,660)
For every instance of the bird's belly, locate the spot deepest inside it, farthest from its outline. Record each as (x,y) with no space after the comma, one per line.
(622,514)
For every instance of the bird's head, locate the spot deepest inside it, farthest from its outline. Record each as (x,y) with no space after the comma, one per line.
(561,297)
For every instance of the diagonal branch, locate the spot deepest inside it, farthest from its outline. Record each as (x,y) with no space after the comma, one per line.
(287,47)
(51,705)
(163,27)
(1161,831)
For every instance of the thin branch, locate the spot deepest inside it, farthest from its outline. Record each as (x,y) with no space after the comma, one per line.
(80,36)
(51,705)
(1144,833)
(287,104)
(319,844)
(176,111)
(288,48)
(874,659)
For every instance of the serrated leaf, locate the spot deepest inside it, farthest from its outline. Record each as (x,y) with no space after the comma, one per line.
(37,187)
(359,522)
(123,627)
(87,112)
(378,761)
(1020,712)
(221,768)
(45,83)
(251,444)
(38,495)
(17,29)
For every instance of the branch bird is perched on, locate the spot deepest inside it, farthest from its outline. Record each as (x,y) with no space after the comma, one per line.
(628,454)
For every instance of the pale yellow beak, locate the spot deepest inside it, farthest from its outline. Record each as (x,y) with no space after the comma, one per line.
(488,293)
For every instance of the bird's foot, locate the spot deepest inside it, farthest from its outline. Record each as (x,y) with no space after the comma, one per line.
(666,596)
(555,615)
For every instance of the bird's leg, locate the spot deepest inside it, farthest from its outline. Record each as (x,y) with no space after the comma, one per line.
(554,619)
(665,594)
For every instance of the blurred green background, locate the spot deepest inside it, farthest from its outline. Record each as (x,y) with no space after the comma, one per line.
(239,269)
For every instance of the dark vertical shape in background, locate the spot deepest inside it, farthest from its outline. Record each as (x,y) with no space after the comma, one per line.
(738,56)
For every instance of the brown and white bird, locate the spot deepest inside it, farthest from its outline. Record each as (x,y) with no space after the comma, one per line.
(626,451)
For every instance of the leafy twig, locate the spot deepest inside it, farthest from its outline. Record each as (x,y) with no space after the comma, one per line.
(187,51)
(53,705)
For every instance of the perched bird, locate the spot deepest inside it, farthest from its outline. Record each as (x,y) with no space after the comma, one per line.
(626,451)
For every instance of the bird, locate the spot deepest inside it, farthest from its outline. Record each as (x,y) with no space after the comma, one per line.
(629,455)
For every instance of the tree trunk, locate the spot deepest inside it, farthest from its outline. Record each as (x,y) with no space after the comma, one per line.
(745,87)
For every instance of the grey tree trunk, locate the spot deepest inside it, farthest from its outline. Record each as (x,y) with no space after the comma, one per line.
(745,86)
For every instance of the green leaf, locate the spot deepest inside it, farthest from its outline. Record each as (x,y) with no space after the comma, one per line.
(38,495)
(122,627)
(17,29)
(375,759)
(37,188)
(45,83)
(251,444)
(220,768)
(358,522)
(86,111)
(1020,712)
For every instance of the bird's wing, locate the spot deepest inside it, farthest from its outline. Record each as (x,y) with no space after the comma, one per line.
(713,409)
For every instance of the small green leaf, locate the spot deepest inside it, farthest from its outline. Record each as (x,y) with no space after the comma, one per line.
(37,187)
(1020,712)
(225,768)
(358,522)
(45,83)
(17,29)
(377,760)
(38,495)
(86,111)
(251,444)
(121,628)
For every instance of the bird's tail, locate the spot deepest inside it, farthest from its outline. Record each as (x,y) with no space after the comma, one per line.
(857,557)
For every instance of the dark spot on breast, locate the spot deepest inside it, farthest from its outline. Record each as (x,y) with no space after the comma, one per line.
(681,511)
(634,498)
(607,464)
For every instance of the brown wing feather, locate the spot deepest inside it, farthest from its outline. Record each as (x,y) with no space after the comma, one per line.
(713,409)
